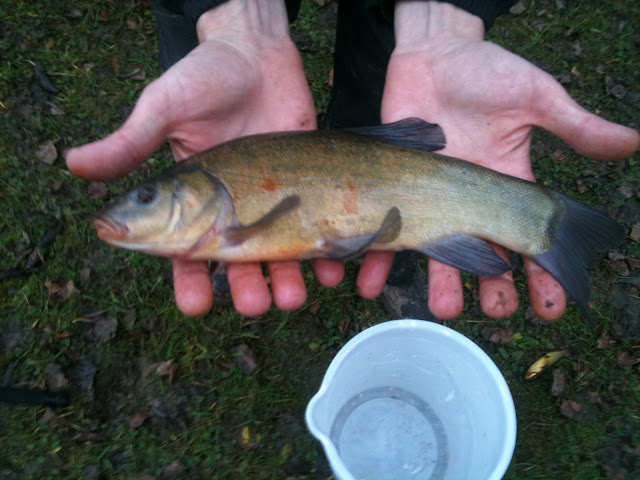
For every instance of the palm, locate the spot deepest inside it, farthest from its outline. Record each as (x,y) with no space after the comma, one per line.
(217,93)
(487,100)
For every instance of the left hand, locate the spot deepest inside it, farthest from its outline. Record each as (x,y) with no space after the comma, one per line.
(487,101)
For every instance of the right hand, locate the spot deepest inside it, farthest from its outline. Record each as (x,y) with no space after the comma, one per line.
(244,78)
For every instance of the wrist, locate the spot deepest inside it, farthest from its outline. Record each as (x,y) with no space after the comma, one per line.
(418,22)
(266,19)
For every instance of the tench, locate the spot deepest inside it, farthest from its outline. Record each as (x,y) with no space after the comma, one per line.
(338,193)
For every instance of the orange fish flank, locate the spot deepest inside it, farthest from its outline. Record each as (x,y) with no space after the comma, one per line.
(350,202)
(270,185)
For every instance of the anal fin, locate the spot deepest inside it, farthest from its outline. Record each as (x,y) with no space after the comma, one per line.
(349,248)
(467,253)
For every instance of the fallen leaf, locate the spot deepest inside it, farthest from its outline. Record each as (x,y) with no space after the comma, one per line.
(570,409)
(64,334)
(560,5)
(53,289)
(48,418)
(104,16)
(55,379)
(558,385)
(172,471)
(626,190)
(605,340)
(81,373)
(518,9)
(115,65)
(625,359)
(137,420)
(167,369)
(85,276)
(246,358)
(131,23)
(97,189)
(581,186)
(575,72)
(330,79)
(247,439)
(314,307)
(75,13)
(55,108)
(47,152)
(558,155)
(500,336)
(635,233)
(104,329)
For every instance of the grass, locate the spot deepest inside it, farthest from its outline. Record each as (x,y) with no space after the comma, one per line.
(199,419)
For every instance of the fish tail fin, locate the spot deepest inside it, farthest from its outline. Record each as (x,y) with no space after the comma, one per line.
(409,133)
(584,233)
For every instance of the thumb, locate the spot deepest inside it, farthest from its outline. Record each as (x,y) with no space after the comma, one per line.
(119,153)
(589,134)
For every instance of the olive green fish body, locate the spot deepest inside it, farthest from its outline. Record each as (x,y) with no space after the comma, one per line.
(347,183)
(293,195)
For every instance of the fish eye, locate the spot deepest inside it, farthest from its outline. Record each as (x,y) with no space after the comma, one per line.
(145,194)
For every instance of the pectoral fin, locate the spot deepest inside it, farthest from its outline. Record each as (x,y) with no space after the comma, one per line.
(240,233)
(349,248)
(467,253)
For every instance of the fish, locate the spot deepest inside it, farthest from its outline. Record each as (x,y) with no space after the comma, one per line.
(338,193)
(544,363)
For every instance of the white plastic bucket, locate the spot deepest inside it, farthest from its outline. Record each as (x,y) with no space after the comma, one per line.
(413,400)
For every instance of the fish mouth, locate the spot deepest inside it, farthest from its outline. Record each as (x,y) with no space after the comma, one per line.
(110,230)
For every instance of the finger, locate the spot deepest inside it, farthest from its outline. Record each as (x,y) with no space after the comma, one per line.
(329,272)
(498,295)
(546,295)
(119,153)
(445,290)
(249,289)
(192,285)
(374,272)
(287,284)
(587,133)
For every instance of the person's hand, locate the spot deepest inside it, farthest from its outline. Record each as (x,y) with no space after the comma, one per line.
(486,99)
(244,78)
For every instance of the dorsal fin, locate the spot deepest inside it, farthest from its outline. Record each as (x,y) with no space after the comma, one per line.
(409,133)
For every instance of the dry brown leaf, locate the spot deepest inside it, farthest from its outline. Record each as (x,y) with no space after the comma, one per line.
(605,340)
(115,65)
(570,409)
(245,357)
(49,418)
(55,379)
(53,289)
(131,23)
(314,307)
(625,359)
(47,152)
(104,16)
(558,385)
(97,189)
(172,471)
(137,420)
(518,8)
(500,336)
(167,369)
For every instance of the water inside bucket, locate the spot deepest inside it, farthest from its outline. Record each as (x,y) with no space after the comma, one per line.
(389,433)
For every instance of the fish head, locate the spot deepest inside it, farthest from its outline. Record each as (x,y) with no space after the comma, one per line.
(168,215)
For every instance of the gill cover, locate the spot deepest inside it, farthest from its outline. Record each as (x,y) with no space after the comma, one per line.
(167,215)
